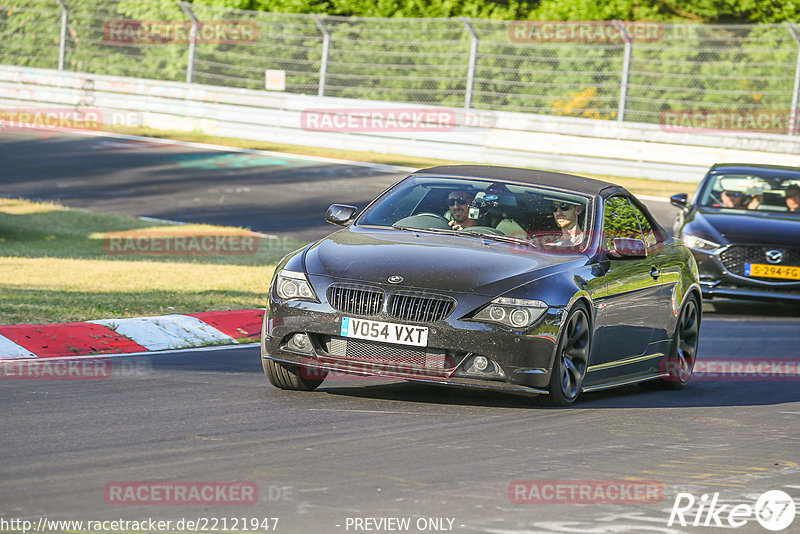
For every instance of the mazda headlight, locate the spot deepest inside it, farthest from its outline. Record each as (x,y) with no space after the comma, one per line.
(514,313)
(291,285)
(697,243)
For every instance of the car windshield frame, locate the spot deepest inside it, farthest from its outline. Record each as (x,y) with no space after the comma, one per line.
(777,184)
(525,195)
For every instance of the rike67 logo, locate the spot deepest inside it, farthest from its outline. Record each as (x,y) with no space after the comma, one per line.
(774,510)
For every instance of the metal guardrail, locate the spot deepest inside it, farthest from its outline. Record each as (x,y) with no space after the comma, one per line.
(540,141)
(611,70)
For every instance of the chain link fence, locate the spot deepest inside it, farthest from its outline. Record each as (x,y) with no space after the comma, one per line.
(603,70)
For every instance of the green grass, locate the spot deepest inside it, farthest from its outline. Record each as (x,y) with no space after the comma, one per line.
(55,267)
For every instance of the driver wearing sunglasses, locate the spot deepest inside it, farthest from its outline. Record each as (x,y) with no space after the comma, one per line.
(739,199)
(459,203)
(566,215)
(732,199)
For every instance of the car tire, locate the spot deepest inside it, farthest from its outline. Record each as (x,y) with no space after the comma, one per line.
(571,360)
(683,351)
(289,376)
(679,363)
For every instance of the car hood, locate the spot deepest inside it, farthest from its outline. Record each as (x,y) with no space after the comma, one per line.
(749,227)
(427,260)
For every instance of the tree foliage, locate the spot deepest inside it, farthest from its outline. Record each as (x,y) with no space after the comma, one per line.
(676,11)
(424,57)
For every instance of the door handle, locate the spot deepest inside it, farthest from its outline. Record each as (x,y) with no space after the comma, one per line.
(654,272)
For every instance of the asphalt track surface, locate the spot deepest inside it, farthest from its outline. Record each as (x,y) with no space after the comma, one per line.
(361,448)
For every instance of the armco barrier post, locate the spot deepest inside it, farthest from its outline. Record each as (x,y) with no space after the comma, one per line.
(187,9)
(323,62)
(473,58)
(626,70)
(62,47)
(793,125)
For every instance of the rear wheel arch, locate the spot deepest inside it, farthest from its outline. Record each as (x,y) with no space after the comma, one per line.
(678,364)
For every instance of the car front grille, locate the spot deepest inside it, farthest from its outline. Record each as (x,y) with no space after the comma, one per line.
(404,306)
(384,354)
(735,257)
(356,300)
(420,309)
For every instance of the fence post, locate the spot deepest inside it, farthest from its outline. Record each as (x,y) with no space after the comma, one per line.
(796,89)
(187,9)
(326,42)
(62,48)
(473,59)
(626,70)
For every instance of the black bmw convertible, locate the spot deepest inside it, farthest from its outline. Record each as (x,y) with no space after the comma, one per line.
(488,277)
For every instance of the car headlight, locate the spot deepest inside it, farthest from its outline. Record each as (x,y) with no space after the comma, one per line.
(692,241)
(514,313)
(291,285)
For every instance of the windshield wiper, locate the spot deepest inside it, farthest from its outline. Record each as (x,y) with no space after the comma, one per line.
(429,230)
(500,237)
(442,231)
(466,233)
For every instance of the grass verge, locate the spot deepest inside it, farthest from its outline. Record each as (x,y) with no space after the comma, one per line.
(59,264)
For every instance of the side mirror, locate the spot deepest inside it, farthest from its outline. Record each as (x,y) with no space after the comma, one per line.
(680,200)
(625,247)
(340,214)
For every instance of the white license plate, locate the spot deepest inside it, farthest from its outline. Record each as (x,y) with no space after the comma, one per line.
(387,332)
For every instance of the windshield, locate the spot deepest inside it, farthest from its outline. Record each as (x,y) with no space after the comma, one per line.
(752,192)
(505,211)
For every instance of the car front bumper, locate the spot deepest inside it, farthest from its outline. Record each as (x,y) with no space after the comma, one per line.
(521,361)
(718,281)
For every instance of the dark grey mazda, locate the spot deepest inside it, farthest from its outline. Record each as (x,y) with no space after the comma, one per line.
(488,277)
(743,228)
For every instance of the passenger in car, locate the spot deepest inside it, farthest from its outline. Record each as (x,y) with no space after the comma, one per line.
(793,198)
(502,212)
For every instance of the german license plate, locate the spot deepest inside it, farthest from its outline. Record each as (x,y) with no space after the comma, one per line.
(772,271)
(387,332)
